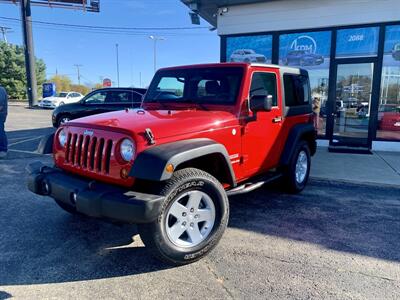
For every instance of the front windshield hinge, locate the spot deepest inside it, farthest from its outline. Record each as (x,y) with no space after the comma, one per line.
(149,136)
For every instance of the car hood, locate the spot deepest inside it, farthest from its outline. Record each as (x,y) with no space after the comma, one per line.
(312,55)
(256,55)
(53,99)
(163,123)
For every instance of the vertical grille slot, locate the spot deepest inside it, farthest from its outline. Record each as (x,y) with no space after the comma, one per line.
(67,148)
(79,150)
(92,152)
(99,154)
(73,148)
(85,151)
(107,156)
(89,152)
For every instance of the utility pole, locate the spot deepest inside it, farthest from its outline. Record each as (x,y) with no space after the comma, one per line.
(116,47)
(140,79)
(4,30)
(155,39)
(26,18)
(79,73)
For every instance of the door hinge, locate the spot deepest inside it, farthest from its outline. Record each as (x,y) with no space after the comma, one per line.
(277,120)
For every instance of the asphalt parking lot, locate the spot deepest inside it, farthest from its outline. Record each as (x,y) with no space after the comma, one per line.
(334,240)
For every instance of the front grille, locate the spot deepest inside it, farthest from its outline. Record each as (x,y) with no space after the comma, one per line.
(90,153)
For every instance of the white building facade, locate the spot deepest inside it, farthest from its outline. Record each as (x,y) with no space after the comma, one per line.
(351,49)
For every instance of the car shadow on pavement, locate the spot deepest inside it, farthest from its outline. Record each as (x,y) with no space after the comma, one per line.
(40,243)
(27,139)
(74,248)
(357,219)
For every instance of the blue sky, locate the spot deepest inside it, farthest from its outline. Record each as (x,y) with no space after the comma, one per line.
(61,49)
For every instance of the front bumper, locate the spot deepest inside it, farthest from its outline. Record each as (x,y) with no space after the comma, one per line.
(91,198)
(47,105)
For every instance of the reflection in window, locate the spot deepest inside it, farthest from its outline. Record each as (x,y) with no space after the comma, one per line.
(310,51)
(250,49)
(389,104)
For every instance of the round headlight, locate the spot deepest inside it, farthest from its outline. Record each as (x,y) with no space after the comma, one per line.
(127,149)
(62,138)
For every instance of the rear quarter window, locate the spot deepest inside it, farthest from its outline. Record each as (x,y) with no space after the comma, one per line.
(297,90)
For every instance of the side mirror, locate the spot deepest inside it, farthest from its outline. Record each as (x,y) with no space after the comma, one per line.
(261,103)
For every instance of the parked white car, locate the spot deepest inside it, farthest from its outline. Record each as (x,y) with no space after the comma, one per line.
(247,55)
(60,99)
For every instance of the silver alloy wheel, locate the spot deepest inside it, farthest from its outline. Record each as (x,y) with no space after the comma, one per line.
(190,219)
(301,166)
(64,120)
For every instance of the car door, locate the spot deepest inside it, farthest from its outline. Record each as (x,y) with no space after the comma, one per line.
(93,103)
(120,99)
(261,144)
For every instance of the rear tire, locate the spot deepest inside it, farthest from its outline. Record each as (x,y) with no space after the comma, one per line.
(297,172)
(192,220)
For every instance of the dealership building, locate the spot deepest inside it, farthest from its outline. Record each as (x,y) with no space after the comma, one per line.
(351,49)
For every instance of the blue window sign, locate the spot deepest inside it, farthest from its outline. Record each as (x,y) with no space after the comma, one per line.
(49,89)
(310,49)
(357,42)
(392,46)
(255,48)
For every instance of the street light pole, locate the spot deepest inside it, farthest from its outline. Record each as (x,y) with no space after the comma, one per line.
(116,46)
(155,39)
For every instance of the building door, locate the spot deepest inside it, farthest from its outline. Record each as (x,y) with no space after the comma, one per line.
(351,101)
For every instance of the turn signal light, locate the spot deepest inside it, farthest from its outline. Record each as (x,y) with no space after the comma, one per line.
(124,173)
(169,168)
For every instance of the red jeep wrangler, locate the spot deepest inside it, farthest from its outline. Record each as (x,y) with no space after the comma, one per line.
(203,133)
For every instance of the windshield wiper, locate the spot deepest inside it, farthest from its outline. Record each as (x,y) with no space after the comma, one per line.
(198,103)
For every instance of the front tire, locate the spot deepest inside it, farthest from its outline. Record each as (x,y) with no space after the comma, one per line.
(297,172)
(192,220)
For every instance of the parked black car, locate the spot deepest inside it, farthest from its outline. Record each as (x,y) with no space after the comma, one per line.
(97,102)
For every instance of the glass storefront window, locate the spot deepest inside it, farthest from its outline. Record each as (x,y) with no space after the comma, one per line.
(389,103)
(357,42)
(310,51)
(250,49)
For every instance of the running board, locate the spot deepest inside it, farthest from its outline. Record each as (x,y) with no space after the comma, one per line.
(249,186)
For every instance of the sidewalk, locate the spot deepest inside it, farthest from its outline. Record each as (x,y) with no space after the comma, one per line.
(380,168)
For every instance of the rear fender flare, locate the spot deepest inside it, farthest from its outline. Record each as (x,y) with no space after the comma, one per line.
(296,134)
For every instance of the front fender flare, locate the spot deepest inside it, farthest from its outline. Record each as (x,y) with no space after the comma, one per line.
(150,164)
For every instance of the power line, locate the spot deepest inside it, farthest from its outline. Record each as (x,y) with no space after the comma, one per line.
(108,31)
(4,31)
(109,27)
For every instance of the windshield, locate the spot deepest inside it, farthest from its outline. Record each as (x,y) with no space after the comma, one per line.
(61,95)
(196,85)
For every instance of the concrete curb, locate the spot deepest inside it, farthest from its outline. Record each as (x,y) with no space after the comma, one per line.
(354,183)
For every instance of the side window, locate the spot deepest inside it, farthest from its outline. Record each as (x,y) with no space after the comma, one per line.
(96,98)
(297,90)
(136,97)
(170,87)
(264,84)
(118,97)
